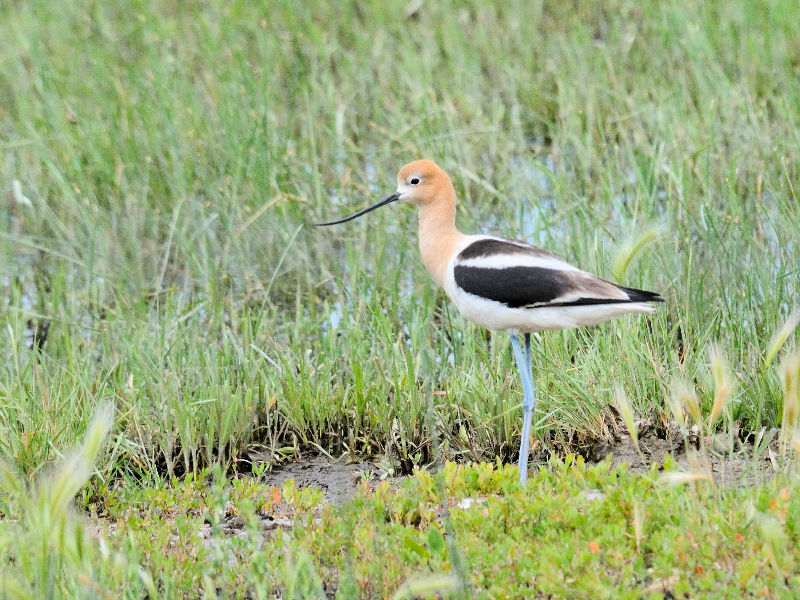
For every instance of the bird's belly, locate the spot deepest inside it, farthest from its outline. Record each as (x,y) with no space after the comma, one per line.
(499,317)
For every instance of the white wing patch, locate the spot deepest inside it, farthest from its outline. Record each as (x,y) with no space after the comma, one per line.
(504,261)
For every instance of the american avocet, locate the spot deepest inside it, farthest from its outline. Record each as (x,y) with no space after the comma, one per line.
(501,284)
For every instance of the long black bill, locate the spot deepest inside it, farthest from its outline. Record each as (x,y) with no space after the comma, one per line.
(384,202)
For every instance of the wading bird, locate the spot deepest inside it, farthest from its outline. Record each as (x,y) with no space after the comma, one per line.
(502,284)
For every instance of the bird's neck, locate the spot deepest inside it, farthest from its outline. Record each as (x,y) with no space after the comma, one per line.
(438,236)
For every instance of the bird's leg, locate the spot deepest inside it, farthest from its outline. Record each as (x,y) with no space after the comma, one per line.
(524,366)
(529,403)
(528,356)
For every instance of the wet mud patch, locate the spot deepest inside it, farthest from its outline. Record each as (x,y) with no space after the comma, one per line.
(338,480)
(730,460)
(620,448)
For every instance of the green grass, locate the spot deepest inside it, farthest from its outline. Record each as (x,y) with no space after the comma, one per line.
(161,162)
(472,531)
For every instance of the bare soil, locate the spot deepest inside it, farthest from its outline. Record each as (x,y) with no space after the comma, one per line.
(724,456)
(731,462)
(338,480)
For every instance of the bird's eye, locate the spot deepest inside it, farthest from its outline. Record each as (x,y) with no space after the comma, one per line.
(414,181)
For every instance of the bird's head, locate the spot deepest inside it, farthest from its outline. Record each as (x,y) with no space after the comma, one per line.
(420,182)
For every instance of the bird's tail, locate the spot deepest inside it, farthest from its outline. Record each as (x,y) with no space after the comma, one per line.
(641,295)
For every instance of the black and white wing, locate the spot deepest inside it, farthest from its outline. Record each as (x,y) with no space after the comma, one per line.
(522,276)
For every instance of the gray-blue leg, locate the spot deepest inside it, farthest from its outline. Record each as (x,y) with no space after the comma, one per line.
(524,366)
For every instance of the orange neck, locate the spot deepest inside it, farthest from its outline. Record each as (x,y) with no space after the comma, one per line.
(438,236)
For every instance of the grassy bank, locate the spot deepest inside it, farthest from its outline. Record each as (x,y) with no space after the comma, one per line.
(161,163)
(471,531)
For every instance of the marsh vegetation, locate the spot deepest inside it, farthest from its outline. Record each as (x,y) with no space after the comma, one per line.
(160,165)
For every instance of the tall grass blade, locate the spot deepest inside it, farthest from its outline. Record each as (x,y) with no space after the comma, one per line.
(723,383)
(683,400)
(50,545)
(630,249)
(626,412)
(681,477)
(427,586)
(780,337)
(790,416)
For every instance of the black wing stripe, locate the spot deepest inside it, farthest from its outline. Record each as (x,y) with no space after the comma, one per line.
(518,287)
(513,286)
(492,246)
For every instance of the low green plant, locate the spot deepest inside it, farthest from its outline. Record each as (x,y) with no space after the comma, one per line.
(46,549)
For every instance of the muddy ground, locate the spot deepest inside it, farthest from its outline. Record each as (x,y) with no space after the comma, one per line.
(338,480)
(731,462)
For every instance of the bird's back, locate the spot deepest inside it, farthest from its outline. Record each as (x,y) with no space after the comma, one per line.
(508,285)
